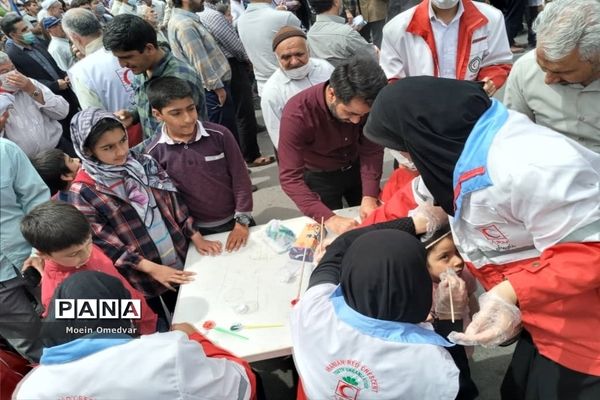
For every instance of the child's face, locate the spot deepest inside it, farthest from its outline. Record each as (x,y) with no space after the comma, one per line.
(73,164)
(179,116)
(74,256)
(444,255)
(112,148)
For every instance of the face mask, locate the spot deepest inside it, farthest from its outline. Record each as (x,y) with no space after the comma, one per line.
(444,4)
(297,73)
(7,86)
(28,37)
(132,3)
(100,10)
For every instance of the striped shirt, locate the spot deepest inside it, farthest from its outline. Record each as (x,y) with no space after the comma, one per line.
(191,42)
(223,32)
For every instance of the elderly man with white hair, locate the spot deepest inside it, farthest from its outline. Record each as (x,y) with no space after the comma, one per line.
(558,84)
(296,72)
(98,80)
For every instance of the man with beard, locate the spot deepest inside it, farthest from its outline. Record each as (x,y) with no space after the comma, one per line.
(323,154)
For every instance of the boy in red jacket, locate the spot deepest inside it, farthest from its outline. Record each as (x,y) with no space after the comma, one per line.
(63,238)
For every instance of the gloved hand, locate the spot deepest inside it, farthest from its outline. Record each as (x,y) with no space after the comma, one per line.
(496,322)
(450,283)
(321,249)
(428,219)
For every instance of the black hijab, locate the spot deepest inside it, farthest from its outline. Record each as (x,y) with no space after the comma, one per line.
(82,285)
(431,118)
(384,276)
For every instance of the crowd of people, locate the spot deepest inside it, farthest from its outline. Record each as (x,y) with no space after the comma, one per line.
(128,133)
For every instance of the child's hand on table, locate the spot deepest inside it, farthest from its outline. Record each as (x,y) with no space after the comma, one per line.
(165,275)
(238,237)
(206,247)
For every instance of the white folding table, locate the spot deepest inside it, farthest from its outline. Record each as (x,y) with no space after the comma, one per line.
(247,287)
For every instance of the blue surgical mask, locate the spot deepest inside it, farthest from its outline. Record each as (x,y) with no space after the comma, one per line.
(28,37)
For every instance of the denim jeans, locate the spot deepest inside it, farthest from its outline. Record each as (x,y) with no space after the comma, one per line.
(222,114)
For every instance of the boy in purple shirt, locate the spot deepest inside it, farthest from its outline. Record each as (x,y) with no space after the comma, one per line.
(204,161)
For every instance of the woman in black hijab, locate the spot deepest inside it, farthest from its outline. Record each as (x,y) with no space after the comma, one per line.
(525,205)
(368,300)
(431,119)
(382,277)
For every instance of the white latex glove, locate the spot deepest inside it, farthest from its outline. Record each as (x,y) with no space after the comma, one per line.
(433,217)
(496,322)
(450,282)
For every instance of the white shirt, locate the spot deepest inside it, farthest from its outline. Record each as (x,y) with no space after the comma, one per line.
(237,9)
(42,14)
(34,127)
(122,7)
(60,49)
(279,89)
(340,353)
(99,81)
(573,109)
(158,366)
(446,41)
(257,28)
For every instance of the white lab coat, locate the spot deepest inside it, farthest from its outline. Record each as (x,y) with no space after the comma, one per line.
(158,366)
(407,54)
(540,196)
(335,359)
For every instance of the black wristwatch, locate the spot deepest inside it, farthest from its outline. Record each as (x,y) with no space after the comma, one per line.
(244,219)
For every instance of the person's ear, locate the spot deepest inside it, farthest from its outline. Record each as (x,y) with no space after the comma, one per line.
(67,177)
(157,115)
(330,94)
(43,255)
(150,49)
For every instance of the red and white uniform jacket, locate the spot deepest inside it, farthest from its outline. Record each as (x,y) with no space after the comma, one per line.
(409,49)
(342,354)
(528,210)
(400,199)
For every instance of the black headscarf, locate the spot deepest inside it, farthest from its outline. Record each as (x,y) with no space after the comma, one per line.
(82,285)
(431,118)
(384,276)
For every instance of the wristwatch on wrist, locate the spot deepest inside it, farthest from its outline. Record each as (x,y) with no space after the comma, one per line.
(243,219)
(35,93)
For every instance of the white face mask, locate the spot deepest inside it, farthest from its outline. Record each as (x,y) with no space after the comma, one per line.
(7,86)
(444,4)
(297,73)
